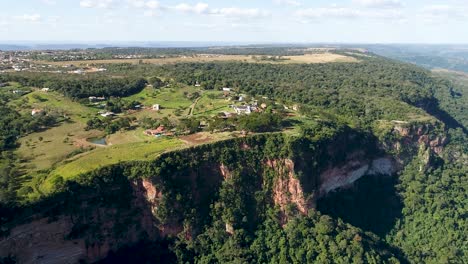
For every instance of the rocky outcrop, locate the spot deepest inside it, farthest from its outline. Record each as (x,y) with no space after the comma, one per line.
(344,176)
(41,241)
(225,172)
(86,233)
(287,188)
(110,217)
(415,135)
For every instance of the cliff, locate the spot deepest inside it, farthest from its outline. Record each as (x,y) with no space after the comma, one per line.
(182,192)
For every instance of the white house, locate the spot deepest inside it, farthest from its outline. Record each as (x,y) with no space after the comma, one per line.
(45,89)
(36,111)
(106,114)
(156,107)
(245,109)
(226,89)
(94,98)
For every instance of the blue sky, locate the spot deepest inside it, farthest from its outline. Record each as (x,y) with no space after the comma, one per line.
(355,21)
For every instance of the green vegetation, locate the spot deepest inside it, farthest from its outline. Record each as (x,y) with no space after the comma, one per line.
(102,157)
(219,202)
(78,86)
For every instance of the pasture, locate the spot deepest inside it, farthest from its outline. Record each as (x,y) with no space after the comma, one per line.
(320,57)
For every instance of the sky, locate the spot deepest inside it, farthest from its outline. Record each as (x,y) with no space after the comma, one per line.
(254,21)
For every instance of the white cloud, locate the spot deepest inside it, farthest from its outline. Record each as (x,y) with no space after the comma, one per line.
(379,3)
(199,8)
(288,2)
(136,3)
(336,12)
(240,12)
(153,4)
(96,3)
(29,17)
(328,12)
(233,12)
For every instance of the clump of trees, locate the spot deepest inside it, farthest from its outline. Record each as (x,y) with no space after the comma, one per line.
(110,125)
(81,86)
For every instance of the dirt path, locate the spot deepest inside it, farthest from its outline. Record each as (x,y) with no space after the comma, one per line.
(192,107)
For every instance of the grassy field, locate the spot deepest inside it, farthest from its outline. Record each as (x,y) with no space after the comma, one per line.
(322,57)
(54,101)
(56,144)
(170,97)
(211,103)
(101,157)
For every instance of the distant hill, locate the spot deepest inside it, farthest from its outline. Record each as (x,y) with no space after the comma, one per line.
(452,57)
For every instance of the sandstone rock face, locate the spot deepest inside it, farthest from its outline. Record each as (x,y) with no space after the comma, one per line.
(287,188)
(42,242)
(51,240)
(344,176)
(45,240)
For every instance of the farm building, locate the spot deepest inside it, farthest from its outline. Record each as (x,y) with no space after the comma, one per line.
(161,130)
(156,107)
(106,114)
(245,109)
(36,111)
(95,98)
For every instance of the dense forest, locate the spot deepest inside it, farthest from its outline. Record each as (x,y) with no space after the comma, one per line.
(79,86)
(359,92)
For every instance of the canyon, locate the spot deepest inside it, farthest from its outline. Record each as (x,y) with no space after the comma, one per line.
(174,194)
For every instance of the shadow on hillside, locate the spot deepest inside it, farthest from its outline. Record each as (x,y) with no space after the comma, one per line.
(372,204)
(432,107)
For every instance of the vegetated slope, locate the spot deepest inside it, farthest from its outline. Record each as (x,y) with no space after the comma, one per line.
(452,94)
(359,92)
(253,199)
(220,202)
(79,86)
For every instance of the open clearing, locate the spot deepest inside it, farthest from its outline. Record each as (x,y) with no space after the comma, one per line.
(101,157)
(325,57)
(56,144)
(54,101)
(212,102)
(320,58)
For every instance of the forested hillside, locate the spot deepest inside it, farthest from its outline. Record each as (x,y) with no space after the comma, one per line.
(376,174)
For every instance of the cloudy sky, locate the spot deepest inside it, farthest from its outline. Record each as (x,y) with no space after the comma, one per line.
(356,21)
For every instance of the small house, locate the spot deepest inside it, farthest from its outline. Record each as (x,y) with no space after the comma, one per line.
(245,109)
(197,84)
(226,89)
(106,114)
(36,111)
(45,90)
(161,130)
(95,99)
(156,107)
